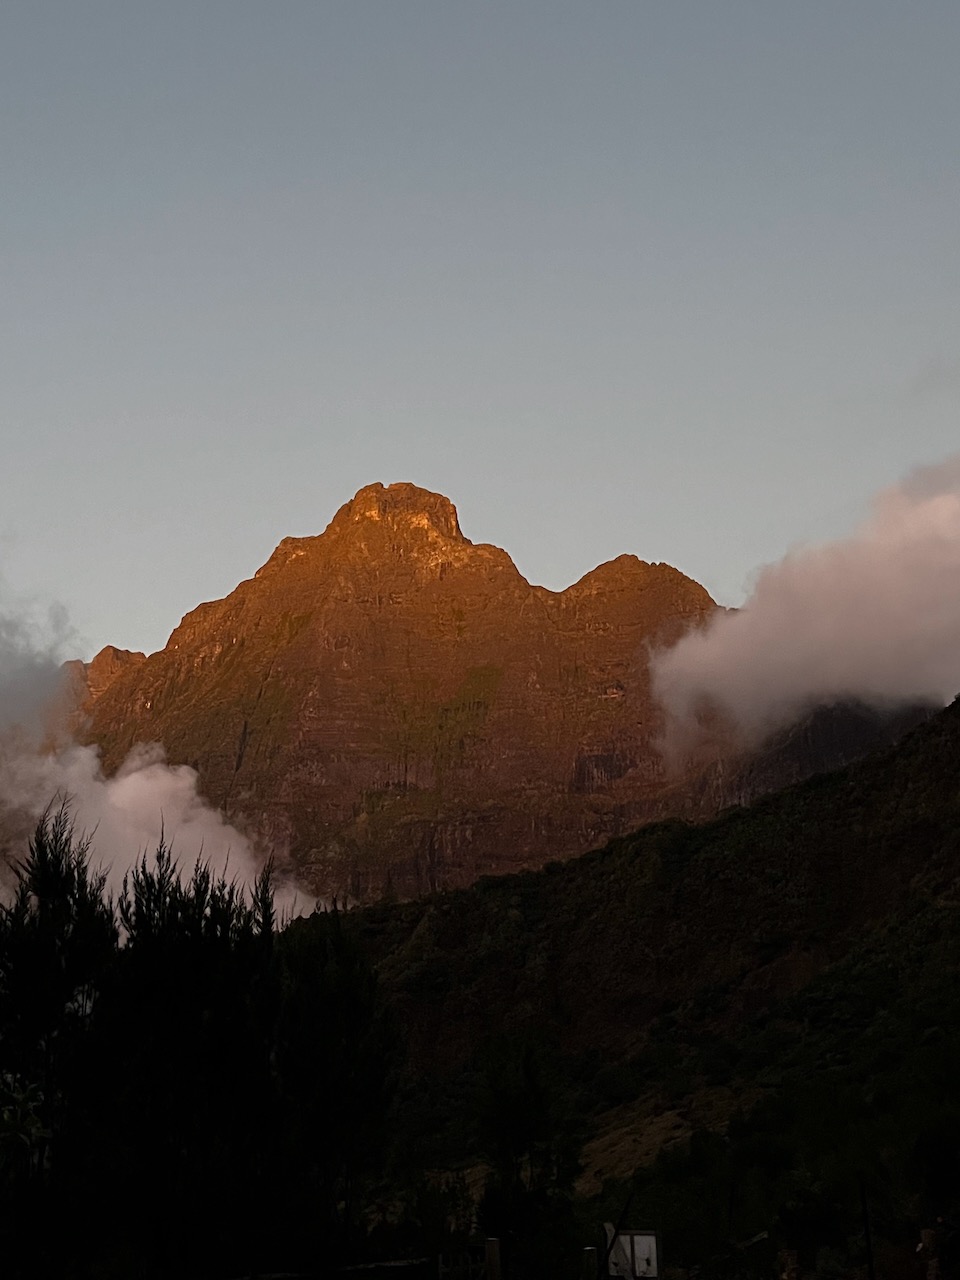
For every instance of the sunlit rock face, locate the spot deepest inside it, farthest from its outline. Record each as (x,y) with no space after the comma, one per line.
(400,710)
(109,663)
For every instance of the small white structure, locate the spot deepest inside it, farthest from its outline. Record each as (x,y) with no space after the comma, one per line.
(632,1254)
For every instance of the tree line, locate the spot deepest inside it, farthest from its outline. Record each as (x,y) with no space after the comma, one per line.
(183,1088)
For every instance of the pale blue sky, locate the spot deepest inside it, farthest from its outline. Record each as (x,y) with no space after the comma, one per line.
(679,279)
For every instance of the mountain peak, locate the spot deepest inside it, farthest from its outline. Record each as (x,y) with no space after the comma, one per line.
(402,506)
(399,708)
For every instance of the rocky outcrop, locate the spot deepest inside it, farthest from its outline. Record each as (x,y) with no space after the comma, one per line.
(400,709)
(91,679)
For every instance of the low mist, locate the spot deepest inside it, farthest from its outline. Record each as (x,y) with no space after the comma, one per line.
(31,653)
(874,617)
(126,813)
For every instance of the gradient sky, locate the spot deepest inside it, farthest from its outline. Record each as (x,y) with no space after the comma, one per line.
(674,278)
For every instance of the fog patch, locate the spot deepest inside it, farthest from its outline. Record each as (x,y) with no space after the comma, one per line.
(128,813)
(873,617)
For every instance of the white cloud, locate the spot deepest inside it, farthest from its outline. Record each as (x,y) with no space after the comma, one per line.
(875,616)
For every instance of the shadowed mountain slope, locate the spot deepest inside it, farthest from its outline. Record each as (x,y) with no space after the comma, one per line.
(800,956)
(750,905)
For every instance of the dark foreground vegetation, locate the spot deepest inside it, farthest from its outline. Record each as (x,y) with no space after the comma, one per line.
(184,1091)
(746,1035)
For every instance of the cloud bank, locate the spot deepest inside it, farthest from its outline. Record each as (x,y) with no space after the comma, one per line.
(875,617)
(127,812)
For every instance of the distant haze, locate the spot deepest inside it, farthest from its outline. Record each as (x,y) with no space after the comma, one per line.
(875,616)
(31,652)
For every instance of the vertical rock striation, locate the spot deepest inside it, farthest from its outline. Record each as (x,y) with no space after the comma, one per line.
(401,709)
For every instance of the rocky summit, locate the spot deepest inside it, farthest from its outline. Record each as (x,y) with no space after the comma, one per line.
(400,709)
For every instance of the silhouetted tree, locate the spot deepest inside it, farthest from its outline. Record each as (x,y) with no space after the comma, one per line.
(528,1134)
(177,1086)
(58,939)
